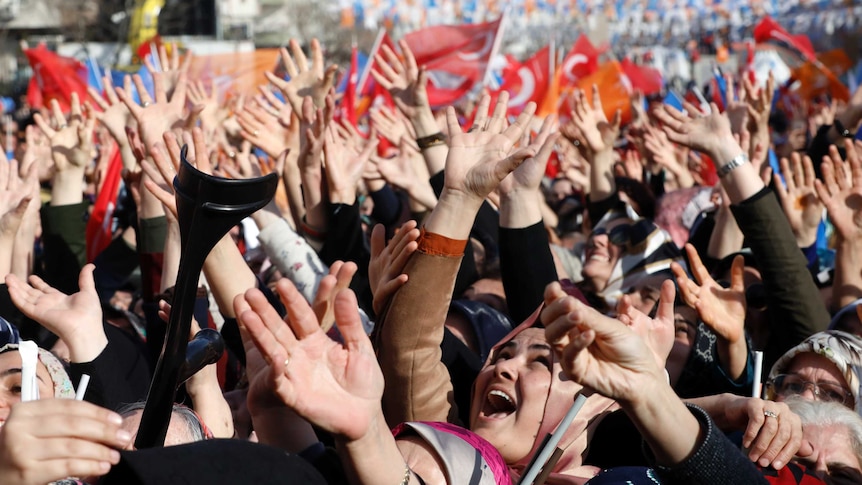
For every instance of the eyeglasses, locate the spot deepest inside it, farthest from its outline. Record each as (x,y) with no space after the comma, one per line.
(794,385)
(626,235)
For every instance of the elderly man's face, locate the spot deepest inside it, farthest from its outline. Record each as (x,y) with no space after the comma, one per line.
(832,449)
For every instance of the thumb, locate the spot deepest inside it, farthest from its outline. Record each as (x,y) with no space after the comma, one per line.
(513,161)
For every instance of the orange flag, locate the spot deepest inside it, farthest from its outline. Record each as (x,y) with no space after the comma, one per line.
(614,88)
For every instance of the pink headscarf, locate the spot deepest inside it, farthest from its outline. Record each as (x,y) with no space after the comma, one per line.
(575,442)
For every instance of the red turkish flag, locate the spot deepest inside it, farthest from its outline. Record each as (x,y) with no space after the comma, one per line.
(99,231)
(55,77)
(582,61)
(347,110)
(528,81)
(768,30)
(644,79)
(455,56)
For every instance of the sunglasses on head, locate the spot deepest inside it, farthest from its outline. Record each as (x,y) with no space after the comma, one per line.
(626,235)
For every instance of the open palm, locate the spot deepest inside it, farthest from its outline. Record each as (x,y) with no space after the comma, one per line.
(336,387)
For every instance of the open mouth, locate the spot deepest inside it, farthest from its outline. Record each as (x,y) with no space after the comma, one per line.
(498,405)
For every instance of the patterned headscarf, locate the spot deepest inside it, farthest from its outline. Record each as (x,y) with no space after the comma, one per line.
(650,251)
(60,378)
(842,348)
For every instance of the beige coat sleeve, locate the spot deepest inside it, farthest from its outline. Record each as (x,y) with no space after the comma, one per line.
(407,340)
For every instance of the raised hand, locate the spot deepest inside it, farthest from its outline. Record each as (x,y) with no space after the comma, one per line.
(114,115)
(155,117)
(722,309)
(339,277)
(759,108)
(799,199)
(481,158)
(344,166)
(15,197)
(658,332)
(205,103)
(385,269)
(662,151)
(263,129)
(703,132)
(305,80)
(391,126)
(528,175)
(76,318)
(336,387)
(406,82)
(52,439)
(38,153)
(72,141)
(841,189)
(598,352)
(597,132)
(173,67)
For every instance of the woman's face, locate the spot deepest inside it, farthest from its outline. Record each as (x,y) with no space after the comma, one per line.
(815,368)
(510,394)
(601,255)
(685,331)
(10,382)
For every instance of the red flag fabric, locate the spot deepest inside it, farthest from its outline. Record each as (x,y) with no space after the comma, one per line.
(528,81)
(99,231)
(748,68)
(348,101)
(146,47)
(55,77)
(580,62)
(455,56)
(644,79)
(768,30)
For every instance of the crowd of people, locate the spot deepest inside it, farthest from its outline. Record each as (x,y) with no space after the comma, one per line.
(438,296)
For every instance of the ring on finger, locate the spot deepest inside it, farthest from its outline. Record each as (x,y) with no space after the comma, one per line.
(770,414)
(286,363)
(255,133)
(146,103)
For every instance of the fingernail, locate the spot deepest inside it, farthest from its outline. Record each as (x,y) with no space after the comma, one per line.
(777,464)
(115,418)
(104,466)
(115,456)
(123,436)
(763,462)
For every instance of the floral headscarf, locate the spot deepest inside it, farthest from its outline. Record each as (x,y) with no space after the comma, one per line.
(842,348)
(62,384)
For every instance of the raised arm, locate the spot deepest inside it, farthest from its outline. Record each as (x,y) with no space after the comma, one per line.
(609,357)
(840,193)
(410,331)
(795,308)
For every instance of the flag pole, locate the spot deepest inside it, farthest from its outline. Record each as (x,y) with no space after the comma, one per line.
(495,48)
(368,65)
